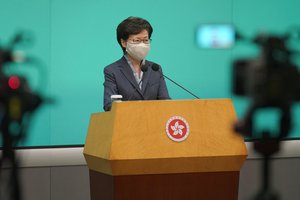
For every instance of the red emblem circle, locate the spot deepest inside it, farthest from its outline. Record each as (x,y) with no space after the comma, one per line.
(177,128)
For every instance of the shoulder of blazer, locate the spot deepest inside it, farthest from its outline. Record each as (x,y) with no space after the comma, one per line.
(115,65)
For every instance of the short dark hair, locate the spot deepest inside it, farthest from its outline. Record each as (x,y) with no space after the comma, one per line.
(132,26)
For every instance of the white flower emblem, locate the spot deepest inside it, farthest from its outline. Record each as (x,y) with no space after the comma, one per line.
(177,129)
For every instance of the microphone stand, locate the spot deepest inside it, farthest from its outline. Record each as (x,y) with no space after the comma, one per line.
(181,87)
(155,67)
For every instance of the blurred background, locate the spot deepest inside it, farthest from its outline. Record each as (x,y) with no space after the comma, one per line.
(76,39)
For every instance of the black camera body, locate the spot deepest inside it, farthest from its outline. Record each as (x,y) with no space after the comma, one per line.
(270,81)
(17,97)
(17,100)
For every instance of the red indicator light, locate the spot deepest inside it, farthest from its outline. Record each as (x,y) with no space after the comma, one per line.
(14,82)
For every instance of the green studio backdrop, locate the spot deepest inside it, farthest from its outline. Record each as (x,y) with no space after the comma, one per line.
(76,39)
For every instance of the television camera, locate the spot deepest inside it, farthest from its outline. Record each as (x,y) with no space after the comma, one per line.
(17,103)
(272,80)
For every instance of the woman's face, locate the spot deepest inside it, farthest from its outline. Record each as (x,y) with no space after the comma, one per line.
(143,36)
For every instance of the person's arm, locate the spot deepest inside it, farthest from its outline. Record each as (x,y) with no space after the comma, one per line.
(110,88)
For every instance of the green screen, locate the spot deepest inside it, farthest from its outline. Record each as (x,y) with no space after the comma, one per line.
(76,39)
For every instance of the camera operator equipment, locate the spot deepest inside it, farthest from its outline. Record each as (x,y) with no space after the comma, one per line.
(17,103)
(270,81)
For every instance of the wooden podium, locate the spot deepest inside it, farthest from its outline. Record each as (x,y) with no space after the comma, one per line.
(131,157)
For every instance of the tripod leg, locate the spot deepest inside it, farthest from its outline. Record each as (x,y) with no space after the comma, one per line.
(8,156)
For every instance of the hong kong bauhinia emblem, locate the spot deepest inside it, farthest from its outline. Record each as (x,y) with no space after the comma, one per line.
(177,128)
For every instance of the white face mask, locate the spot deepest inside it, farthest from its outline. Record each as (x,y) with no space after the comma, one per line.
(138,51)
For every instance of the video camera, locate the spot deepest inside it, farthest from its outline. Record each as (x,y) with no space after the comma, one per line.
(271,81)
(17,100)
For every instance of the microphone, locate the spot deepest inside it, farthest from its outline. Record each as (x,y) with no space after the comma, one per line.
(155,67)
(144,67)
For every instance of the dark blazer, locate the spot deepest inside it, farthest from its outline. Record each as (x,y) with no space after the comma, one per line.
(119,79)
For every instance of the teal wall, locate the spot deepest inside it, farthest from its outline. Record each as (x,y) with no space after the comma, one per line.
(76,39)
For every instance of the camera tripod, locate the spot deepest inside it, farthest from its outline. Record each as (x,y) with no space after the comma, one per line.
(267,144)
(8,161)
(267,147)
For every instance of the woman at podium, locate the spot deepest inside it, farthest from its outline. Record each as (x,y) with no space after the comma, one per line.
(132,76)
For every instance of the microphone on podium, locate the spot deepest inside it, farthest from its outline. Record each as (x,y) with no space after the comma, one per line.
(155,67)
(144,67)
